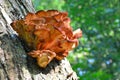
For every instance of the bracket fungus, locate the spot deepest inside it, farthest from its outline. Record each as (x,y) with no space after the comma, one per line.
(48,34)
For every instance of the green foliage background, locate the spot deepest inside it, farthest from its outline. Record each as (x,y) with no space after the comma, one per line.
(98,55)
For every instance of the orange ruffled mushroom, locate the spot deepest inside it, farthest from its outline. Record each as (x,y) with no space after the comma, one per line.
(48,34)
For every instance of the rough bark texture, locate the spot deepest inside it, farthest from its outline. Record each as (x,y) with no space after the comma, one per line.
(15,64)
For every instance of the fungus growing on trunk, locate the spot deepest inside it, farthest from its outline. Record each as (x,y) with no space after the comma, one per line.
(48,34)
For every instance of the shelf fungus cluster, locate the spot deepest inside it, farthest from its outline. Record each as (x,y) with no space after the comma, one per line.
(48,34)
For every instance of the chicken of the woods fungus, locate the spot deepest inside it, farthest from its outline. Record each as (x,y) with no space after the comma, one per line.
(48,34)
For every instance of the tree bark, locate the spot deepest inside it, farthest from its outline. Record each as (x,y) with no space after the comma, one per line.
(15,64)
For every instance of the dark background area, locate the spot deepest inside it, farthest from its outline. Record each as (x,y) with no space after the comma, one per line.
(98,55)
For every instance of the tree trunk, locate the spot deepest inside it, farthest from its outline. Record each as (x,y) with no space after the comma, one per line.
(15,64)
